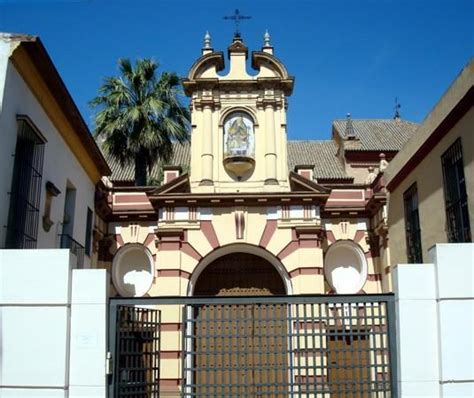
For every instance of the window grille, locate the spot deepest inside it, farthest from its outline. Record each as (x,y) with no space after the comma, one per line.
(25,195)
(412,225)
(88,232)
(455,195)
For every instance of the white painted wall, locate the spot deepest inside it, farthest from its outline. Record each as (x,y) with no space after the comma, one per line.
(52,326)
(59,166)
(435,322)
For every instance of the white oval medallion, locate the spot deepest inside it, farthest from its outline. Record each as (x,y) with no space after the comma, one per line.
(132,270)
(345,268)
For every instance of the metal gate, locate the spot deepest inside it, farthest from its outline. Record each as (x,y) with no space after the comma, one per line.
(135,341)
(307,346)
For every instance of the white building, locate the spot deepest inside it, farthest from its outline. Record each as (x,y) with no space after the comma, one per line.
(49,162)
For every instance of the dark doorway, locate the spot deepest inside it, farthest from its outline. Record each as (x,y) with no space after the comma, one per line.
(239,274)
(241,348)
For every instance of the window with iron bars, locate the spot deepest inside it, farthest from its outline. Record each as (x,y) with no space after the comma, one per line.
(412,225)
(455,195)
(25,195)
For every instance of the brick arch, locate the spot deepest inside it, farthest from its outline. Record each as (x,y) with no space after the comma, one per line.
(240,248)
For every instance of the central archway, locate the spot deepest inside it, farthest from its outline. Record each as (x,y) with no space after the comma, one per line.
(263,264)
(239,274)
(240,347)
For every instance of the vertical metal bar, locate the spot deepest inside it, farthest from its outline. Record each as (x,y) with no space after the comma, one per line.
(392,346)
(112,326)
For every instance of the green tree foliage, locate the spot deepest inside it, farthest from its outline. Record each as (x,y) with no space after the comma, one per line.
(140,116)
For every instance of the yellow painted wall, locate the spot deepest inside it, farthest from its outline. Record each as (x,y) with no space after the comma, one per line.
(428,176)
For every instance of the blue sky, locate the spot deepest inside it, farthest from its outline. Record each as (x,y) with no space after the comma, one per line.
(347,56)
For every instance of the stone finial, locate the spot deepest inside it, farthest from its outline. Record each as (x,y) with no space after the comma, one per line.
(349,132)
(383,162)
(266,39)
(267,45)
(207,44)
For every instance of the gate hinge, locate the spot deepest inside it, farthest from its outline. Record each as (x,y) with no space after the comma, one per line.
(108,363)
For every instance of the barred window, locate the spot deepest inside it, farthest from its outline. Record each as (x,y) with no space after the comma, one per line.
(88,239)
(455,195)
(412,225)
(25,195)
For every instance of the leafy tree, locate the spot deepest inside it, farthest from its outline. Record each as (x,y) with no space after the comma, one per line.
(140,116)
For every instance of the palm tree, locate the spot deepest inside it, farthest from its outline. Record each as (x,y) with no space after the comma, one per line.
(140,116)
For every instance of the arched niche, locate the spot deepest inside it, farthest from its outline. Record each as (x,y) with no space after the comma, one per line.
(345,267)
(132,270)
(261,255)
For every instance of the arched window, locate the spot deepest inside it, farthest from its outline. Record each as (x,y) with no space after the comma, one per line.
(132,270)
(345,267)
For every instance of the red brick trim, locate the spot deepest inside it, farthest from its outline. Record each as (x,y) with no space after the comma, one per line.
(354,195)
(118,238)
(131,198)
(374,277)
(149,238)
(164,246)
(190,251)
(170,354)
(306,271)
(170,327)
(170,384)
(173,273)
(209,232)
(268,232)
(330,237)
(309,243)
(359,235)
(288,249)
(300,239)
(345,203)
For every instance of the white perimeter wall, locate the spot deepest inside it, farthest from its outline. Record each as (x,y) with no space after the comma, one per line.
(52,326)
(59,166)
(435,322)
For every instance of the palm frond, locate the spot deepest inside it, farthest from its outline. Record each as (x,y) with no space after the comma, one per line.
(141,115)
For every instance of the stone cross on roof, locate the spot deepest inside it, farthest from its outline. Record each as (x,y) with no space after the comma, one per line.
(237,17)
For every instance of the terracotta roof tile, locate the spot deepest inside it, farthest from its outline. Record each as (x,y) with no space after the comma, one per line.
(378,134)
(322,154)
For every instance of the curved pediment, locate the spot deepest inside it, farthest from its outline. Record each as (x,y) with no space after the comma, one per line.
(212,62)
(270,63)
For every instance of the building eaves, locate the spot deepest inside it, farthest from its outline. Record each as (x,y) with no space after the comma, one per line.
(41,60)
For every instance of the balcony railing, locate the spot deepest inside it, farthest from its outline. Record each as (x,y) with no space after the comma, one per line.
(67,242)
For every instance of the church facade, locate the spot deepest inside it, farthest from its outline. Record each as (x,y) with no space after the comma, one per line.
(314,210)
(243,211)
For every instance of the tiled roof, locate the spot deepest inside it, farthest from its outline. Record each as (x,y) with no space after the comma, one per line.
(181,157)
(378,134)
(321,154)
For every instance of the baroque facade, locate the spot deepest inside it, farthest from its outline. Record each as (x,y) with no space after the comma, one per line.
(315,210)
(240,211)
